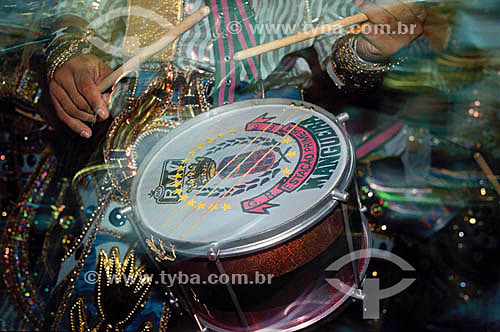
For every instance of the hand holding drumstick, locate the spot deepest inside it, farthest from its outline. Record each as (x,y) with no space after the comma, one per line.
(376,44)
(77,87)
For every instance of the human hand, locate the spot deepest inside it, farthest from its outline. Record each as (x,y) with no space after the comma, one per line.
(393,24)
(75,95)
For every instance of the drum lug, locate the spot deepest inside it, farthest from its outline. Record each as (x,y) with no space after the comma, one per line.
(125,210)
(213,253)
(343,117)
(341,196)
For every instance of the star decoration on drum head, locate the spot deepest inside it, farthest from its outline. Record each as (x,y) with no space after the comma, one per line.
(226,207)
(194,176)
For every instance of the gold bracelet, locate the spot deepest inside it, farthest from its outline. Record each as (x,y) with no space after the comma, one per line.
(66,47)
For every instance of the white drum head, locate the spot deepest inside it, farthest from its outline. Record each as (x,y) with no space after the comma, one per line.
(243,175)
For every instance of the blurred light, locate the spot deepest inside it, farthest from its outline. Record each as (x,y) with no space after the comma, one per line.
(463,284)
(472,221)
(2,157)
(461,234)
(384,227)
(374,273)
(477,103)
(411,138)
(4,214)
(370,194)
(483,192)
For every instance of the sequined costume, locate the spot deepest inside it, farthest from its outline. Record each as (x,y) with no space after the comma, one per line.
(84,234)
(84,213)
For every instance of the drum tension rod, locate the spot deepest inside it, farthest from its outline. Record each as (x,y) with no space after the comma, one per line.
(341,196)
(125,210)
(343,117)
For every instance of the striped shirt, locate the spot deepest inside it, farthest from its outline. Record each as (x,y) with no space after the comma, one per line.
(274,19)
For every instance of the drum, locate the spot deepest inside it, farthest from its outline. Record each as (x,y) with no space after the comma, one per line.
(244,207)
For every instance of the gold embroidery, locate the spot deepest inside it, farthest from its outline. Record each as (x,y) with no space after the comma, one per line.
(113,278)
(142,31)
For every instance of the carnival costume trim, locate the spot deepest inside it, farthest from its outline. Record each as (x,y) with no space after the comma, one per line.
(113,276)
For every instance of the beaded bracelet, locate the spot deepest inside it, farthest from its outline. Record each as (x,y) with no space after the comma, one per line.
(350,72)
(66,46)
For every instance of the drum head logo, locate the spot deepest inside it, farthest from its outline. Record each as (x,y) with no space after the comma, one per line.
(257,165)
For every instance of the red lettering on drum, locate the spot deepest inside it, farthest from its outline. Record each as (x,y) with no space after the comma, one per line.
(308,157)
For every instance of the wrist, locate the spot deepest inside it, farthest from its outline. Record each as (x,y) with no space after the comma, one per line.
(367,52)
(351,73)
(66,44)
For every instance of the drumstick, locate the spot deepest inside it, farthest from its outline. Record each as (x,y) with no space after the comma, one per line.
(487,170)
(152,49)
(301,36)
